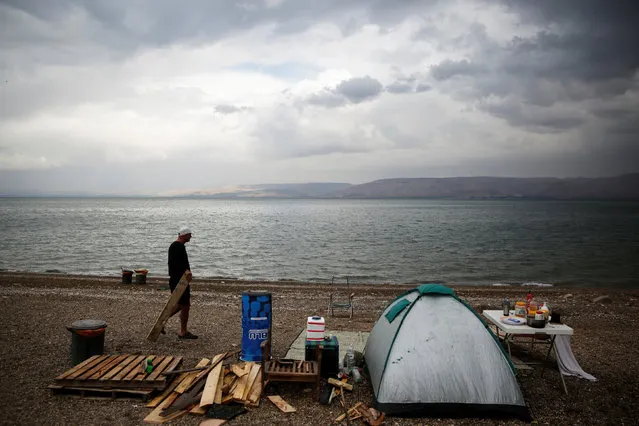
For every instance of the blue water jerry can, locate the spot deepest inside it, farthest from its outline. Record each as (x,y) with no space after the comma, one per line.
(256,323)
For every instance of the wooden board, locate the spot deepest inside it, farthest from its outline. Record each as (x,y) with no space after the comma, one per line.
(281,404)
(213,422)
(295,369)
(134,365)
(127,361)
(351,411)
(212,384)
(186,383)
(98,393)
(340,384)
(171,389)
(155,415)
(199,411)
(217,359)
(158,399)
(239,369)
(238,393)
(82,365)
(229,381)
(75,372)
(169,308)
(256,391)
(118,372)
(219,390)
(255,369)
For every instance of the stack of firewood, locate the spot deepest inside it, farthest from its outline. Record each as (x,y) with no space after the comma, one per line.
(210,382)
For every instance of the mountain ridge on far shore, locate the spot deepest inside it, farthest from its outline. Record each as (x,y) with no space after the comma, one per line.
(622,187)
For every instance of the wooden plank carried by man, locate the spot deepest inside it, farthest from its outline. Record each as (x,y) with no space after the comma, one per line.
(169,308)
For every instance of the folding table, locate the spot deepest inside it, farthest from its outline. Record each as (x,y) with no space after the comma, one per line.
(511,330)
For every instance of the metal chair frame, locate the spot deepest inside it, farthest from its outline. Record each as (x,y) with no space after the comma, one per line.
(335,301)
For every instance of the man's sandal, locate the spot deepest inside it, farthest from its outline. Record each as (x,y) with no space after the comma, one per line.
(187,335)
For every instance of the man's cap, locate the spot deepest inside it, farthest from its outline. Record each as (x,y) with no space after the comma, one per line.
(184,230)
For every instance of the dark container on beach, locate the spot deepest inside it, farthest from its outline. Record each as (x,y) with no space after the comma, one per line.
(256,323)
(87,339)
(127,276)
(140,276)
(330,355)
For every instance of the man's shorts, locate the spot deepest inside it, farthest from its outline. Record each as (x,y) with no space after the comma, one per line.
(185,299)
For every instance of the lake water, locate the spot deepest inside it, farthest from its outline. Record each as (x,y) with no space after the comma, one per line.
(374,241)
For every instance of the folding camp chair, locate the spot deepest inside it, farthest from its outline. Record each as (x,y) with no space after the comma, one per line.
(341,296)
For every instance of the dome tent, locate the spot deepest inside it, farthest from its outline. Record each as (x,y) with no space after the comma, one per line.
(429,353)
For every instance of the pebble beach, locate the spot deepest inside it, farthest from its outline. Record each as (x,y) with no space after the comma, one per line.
(35,346)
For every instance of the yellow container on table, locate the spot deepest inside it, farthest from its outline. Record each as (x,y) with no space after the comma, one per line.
(520,309)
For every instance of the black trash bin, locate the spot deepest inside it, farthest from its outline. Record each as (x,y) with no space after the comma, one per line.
(127,276)
(87,339)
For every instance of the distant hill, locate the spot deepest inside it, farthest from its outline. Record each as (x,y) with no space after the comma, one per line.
(625,187)
(279,190)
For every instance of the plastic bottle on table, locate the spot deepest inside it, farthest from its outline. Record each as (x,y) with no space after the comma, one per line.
(545,309)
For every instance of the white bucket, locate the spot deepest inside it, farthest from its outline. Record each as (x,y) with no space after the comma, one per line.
(315,327)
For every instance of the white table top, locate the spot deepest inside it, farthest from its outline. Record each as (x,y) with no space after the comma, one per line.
(494,316)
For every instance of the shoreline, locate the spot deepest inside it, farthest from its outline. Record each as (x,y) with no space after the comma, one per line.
(531,286)
(38,307)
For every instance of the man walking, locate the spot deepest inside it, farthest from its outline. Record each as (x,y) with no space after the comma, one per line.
(178,265)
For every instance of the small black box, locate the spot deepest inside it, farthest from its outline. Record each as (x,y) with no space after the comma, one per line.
(330,355)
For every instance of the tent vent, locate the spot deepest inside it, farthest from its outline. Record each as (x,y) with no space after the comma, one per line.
(397,309)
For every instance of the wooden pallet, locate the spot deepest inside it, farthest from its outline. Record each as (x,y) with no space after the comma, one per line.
(97,393)
(293,369)
(119,372)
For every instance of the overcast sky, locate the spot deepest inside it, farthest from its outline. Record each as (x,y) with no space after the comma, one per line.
(158,96)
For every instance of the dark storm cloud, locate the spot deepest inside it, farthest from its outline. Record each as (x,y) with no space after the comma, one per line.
(400,86)
(354,90)
(584,50)
(151,23)
(626,124)
(448,69)
(359,89)
(536,120)
(408,84)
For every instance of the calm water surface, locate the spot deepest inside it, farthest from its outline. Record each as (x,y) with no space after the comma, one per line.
(376,241)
